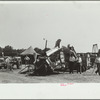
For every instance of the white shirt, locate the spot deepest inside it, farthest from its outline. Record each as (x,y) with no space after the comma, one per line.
(79,59)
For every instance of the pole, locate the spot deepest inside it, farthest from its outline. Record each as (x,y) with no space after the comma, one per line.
(46,44)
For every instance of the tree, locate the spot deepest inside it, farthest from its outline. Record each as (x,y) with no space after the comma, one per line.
(8,48)
(19,51)
(1,49)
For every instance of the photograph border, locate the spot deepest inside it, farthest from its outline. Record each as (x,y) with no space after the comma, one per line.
(41,91)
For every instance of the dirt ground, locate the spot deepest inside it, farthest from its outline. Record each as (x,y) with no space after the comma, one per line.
(89,76)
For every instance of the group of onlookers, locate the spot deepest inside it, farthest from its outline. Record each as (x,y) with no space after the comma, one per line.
(9,62)
(75,63)
(83,66)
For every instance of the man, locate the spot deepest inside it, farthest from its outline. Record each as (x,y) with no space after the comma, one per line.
(97,61)
(71,63)
(8,63)
(79,64)
(88,61)
(17,63)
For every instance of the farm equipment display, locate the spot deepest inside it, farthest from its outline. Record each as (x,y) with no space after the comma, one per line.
(44,65)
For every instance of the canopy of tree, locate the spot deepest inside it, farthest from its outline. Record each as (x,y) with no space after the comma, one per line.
(9,51)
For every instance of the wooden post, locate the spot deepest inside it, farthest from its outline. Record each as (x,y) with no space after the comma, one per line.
(46,44)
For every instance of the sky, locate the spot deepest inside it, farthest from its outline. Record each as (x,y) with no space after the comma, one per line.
(24,24)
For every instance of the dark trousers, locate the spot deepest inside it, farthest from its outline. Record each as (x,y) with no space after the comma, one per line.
(78,67)
(71,66)
(98,68)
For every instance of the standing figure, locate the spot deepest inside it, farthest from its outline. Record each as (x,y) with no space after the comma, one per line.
(97,61)
(88,61)
(8,63)
(17,63)
(79,64)
(84,64)
(71,63)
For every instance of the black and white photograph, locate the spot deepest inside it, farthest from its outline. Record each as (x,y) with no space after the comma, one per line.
(50,42)
(49,50)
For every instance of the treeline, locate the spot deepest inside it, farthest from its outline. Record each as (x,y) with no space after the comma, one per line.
(9,51)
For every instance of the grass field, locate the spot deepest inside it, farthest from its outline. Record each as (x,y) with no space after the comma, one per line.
(89,76)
